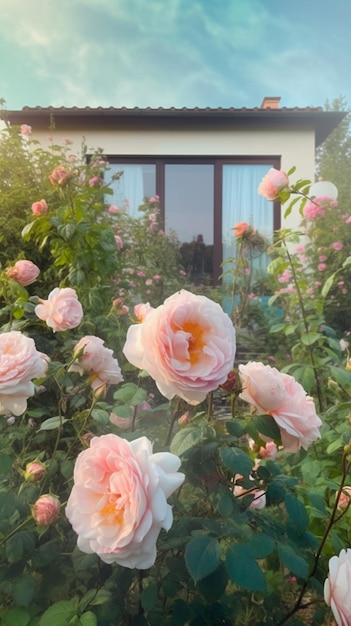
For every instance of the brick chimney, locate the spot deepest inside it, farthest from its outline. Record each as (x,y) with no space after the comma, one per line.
(270,102)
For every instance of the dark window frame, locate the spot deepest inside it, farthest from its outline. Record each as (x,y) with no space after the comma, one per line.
(218,162)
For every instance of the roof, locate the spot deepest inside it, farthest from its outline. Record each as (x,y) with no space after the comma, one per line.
(323,122)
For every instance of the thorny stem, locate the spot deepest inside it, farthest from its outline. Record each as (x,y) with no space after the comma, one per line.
(298,605)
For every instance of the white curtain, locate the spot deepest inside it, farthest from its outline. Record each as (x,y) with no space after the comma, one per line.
(242,203)
(128,191)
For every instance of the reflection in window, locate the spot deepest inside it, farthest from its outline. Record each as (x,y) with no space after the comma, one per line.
(189,213)
(137,181)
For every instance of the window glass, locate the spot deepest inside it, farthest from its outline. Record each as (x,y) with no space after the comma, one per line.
(137,181)
(189,206)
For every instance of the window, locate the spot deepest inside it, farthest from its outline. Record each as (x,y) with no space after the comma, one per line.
(201,198)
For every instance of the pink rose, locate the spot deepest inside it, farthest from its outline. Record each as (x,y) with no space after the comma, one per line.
(240,229)
(26,130)
(46,510)
(281,396)
(94,359)
(337,587)
(113,209)
(34,471)
(61,311)
(187,345)
(345,497)
(95,181)
(20,363)
(337,245)
(141,310)
(273,183)
(119,242)
(23,272)
(60,175)
(118,503)
(321,267)
(39,208)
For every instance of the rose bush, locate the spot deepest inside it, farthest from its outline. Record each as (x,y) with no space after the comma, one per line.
(118,503)
(187,345)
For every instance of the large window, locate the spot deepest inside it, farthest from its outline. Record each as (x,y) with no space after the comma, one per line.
(201,199)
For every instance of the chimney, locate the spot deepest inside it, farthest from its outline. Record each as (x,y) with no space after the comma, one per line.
(270,102)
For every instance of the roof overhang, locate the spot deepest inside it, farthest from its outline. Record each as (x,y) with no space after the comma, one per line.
(322,122)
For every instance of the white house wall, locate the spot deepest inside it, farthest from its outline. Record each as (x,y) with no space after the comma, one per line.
(295,147)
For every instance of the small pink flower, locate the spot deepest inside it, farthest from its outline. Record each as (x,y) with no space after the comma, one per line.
(240,229)
(97,361)
(348,221)
(148,282)
(345,497)
(23,272)
(337,245)
(95,181)
(182,273)
(46,510)
(119,242)
(39,208)
(141,274)
(34,471)
(67,141)
(124,423)
(284,277)
(60,175)
(124,310)
(113,209)
(61,311)
(322,258)
(273,183)
(321,267)
(157,277)
(26,130)
(299,249)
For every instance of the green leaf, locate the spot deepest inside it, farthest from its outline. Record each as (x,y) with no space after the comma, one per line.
(334,445)
(59,613)
(297,512)
(16,617)
(88,619)
(187,438)
(235,428)
(53,422)
(293,561)
(202,556)
(5,464)
(266,426)
(328,285)
(149,597)
(260,546)
(310,338)
(130,394)
(236,460)
(243,569)
(212,587)
(342,376)
(23,590)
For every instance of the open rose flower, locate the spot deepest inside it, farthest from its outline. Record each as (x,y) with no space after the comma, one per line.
(118,503)
(20,363)
(240,229)
(187,345)
(60,176)
(97,361)
(40,207)
(61,311)
(23,272)
(337,587)
(26,130)
(272,393)
(273,183)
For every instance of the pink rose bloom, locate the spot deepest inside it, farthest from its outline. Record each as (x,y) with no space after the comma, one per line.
(141,310)
(39,208)
(60,175)
(321,267)
(95,181)
(119,242)
(259,496)
(26,130)
(113,209)
(20,362)
(337,245)
(46,510)
(118,503)
(34,471)
(284,277)
(337,587)
(345,497)
(23,272)
(269,451)
(273,183)
(348,221)
(187,345)
(94,359)
(282,397)
(61,311)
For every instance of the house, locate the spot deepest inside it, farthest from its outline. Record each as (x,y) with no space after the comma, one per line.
(204,164)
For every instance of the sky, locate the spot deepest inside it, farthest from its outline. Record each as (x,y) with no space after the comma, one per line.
(174,53)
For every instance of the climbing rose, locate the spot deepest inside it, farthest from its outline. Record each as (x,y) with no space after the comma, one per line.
(281,396)
(23,272)
(118,503)
(337,587)
(94,359)
(20,363)
(62,310)
(273,183)
(187,345)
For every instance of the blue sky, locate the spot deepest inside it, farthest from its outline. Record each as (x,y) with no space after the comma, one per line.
(181,53)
